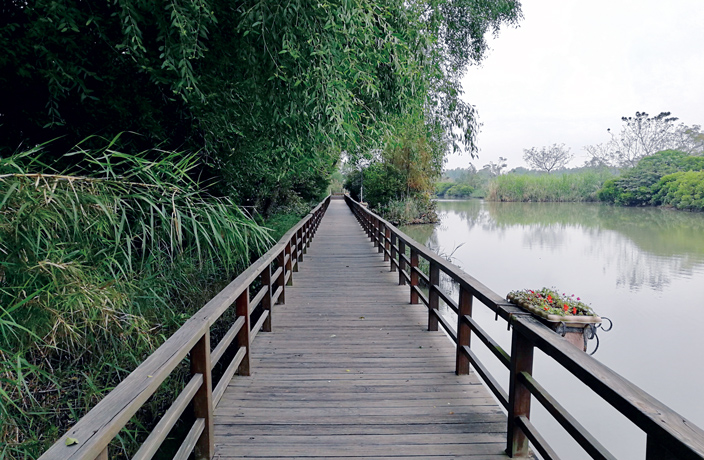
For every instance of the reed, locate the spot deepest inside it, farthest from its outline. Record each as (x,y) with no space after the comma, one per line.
(100,263)
(575,187)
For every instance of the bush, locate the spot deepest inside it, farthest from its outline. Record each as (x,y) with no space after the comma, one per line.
(637,186)
(442,187)
(460,191)
(683,190)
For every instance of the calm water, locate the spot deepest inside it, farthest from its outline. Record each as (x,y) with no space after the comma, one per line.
(642,268)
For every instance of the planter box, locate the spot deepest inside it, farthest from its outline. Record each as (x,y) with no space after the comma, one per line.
(571,327)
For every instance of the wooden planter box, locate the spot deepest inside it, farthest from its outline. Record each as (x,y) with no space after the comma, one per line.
(571,327)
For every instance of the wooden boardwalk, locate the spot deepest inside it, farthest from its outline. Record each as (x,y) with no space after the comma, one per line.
(350,370)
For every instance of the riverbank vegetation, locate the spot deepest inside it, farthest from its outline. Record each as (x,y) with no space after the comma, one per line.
(101,263)
(651,161)
(185,116)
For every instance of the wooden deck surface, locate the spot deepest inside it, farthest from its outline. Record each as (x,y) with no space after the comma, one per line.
(350,370)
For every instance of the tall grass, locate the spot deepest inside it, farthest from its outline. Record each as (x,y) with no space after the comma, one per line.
(100,263)
(582,186)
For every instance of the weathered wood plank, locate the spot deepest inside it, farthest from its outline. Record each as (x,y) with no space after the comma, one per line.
(352,371)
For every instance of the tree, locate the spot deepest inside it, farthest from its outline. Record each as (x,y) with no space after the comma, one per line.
(643,135)
(495,169)
(267,92)
(549,158)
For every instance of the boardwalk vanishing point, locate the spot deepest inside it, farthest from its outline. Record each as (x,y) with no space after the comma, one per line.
(351,371)
(339,361)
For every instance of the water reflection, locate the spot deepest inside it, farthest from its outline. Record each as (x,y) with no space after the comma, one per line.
(633,265)
(644,247)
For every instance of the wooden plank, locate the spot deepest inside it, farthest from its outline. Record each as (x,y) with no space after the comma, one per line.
(161,430)
(190,440)
(352,371)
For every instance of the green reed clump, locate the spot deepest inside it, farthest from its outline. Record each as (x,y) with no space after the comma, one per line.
(99,264)
(575,187)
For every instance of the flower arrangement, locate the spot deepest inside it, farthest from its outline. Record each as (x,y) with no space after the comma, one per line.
(550,304)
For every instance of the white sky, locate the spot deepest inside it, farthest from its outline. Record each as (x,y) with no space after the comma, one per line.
(572,69)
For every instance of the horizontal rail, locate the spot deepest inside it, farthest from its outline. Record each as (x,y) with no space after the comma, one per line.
(541,445)
(100,425)
(569,423)
(161,430)
(491,382)
(226,340)
(491,344)
(668,433)
(190,441)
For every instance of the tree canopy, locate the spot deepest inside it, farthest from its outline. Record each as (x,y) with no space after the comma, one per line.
(267,93)
(548,158)
(643,135)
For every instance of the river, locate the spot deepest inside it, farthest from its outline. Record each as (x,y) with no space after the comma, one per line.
(641,267)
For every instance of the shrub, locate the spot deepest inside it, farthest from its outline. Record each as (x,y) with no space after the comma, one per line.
(683,190)
(637,186)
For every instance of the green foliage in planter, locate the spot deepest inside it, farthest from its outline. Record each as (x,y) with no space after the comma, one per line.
(551,302)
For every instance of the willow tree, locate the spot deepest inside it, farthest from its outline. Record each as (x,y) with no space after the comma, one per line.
(269,93)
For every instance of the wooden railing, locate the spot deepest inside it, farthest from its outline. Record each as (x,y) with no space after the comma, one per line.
(92,434)
(669,435)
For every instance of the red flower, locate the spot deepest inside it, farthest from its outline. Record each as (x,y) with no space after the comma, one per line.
(549,298)
(566,307)
(574,311)
(546,308)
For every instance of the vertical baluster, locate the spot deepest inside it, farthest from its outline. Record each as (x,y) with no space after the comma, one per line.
(293,244)
(464,332)
(266,301)
(280,259)
(433,298)
(203,399)
(394,252)
(387,243)
(401,262)
(242,309)
(380,237)
(414,275)
(519,396)
(299,245)
(288,263)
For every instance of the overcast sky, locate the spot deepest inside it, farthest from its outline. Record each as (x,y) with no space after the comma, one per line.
(572,69)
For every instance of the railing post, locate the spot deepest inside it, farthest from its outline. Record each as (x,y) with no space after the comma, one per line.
(203,399)
(299,245)
(281,281)
(519,396)
(414,275)
(266,301)
(287,265)
(394,252)
(387,244)
(401,263)
(293,244)
(433,298)
(464,332)
(380,237)
(242,309)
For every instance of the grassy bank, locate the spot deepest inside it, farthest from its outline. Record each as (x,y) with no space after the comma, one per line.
(576,187)
(100,264)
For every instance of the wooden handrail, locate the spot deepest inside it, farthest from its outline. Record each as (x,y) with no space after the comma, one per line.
(669,435)
(92,434)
